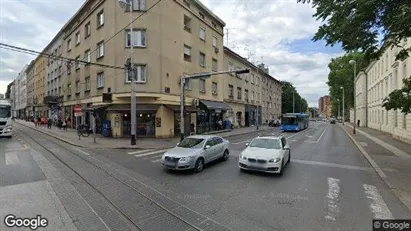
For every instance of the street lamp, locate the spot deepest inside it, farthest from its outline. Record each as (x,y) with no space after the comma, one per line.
(354,63)
(343,107)
(125,4)
(203,75)
(338,113)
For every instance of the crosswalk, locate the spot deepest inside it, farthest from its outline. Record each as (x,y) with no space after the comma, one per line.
(152,155)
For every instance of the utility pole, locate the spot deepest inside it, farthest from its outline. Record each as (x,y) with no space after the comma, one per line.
(353,62)
(343,116)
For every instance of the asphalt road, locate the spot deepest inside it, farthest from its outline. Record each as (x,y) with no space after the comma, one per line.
(329,185)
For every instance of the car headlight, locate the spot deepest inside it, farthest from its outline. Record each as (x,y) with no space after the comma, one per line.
(185,159)
(243,157)
(9,129)
(276,160)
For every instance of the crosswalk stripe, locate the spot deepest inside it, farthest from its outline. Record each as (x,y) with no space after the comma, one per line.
(11,158)
(141,151)
(156,161)
(151,153)
(378,206)
(152,157)
(332,196)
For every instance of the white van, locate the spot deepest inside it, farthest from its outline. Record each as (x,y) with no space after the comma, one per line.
(6,123)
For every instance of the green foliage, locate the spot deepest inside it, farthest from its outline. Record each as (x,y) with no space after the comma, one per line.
(301,104)
(357,24)
(400,98)
(342,75)
(8,91)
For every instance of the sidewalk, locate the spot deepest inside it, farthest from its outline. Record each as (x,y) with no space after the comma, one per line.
(390,158)
(70,136)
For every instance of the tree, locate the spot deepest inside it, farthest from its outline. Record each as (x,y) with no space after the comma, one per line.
(8,91)
(287,99)
(342,75)
(358,24)
(400,98)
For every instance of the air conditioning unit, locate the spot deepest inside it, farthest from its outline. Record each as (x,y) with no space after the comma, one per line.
(216,50)
(196,102)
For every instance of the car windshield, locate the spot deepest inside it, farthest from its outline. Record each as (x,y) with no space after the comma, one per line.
(191,143)
(5,111)
(266,143)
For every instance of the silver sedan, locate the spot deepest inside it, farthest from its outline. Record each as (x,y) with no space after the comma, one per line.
(195,151)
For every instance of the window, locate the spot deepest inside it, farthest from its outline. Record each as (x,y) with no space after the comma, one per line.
(215,65)
(404,71)
(386,62)
(100,50)
(77,86)
(138,5)
(189,84)
(252,78)
(214,88)
(77,62)
(69,45)
(256,80)
(231,67)
(87,56)
(138,38)
(230,91)
(78,38)
(202,85)
(87,81)
(246,95)
(69,89)
(202,59)
(187,53)
(87,30)
(404,121)
(187,23)
(69,68)
(214,41)
(252,95)
(202,33)
(100,80)
(214,24)
(100,19)
(140,74)
(258,97)
(201,15)
(239,92)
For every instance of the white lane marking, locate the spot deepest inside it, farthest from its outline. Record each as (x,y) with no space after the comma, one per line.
(245,141)
(156,161)
(152,157)
(378,206)
(151,153)
(364,144)
(322,134)
(141,151)
(11,158)
(293,140)
(309,162)
(79,150)
(332,196)
(16,149)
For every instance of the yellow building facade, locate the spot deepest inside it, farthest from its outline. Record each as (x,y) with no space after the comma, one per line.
(39,78)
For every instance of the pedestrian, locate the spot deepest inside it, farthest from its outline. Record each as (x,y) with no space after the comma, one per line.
(358,123)
(192,129)
(49,123)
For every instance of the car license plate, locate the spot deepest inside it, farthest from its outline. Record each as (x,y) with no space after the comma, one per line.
(256,167)
(170,165)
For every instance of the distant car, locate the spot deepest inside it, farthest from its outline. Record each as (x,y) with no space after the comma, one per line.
(274,123)
(332,121)
(265,154)
(196,151)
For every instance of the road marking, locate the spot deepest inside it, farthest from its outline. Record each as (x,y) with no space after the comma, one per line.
(152,157)
(245,141)
(378,206)
(17,149)
(85,153)
(331,165)
(156,161)
(322,134)
(333,194)
(151,153)
(141,151)
(311,142)
(293,140)
(11,158)
(364,144)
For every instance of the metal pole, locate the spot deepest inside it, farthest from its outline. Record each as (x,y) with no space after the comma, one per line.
(94,127)
(182,84)
(133,93)
(343,116)
(355,109)
(258,121)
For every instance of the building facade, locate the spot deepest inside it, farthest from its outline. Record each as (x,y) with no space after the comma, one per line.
(31,94)
(271,94)
(21,93)
(325,106)
(13,98)
(320,106)
(1,96)
(40,76)
(166,46)
(382,77)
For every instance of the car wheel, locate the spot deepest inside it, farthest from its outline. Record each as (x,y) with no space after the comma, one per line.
(225,155)
(289,157)
(199,165)
(282,168)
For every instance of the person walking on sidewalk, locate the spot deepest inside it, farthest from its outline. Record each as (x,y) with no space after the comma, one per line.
(358,123)
(49,123)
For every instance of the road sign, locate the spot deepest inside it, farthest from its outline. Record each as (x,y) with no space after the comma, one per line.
(76,114)
(77,109)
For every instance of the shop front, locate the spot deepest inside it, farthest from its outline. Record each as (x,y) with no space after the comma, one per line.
(250,115)
(211,116)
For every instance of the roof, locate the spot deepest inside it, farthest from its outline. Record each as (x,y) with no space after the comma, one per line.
(202,136)
(269,137)
(209,12)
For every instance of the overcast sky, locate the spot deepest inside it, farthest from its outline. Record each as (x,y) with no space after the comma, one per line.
(277,32)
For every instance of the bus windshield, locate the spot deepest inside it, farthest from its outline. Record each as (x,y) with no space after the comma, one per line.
(289,120)
(5,111)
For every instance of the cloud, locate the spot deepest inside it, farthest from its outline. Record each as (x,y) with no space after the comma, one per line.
(279,33)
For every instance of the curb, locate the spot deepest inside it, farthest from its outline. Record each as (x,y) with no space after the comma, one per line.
(380,172)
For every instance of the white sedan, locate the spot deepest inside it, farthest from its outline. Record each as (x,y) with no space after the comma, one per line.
(265,154)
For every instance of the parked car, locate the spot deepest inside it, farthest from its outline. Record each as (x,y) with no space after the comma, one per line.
(332,121)
(266,154)
(274,123)
(196,151)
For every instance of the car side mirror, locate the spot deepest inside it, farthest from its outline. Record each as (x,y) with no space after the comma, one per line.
(246,144)
(286,147)
(207,147)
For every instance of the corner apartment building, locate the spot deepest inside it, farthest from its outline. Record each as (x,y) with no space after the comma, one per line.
(174,38)
(250,96)
(325,106)
(21,93)
(40,76)
(378,80)
(31,83)
(54,82)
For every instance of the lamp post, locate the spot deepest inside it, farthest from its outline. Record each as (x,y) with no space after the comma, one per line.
(353,62)
(203,75)
(338,113)
(343,107)
(125,4)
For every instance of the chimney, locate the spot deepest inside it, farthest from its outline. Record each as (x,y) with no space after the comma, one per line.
(262,67)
